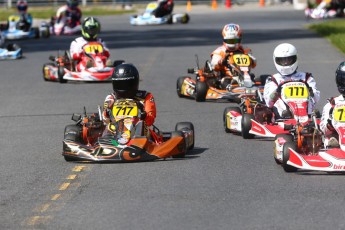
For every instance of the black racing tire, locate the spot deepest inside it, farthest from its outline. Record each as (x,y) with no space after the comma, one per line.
(286,156)
(43,69)
(37,32)
(287,138)
(170,19)
(201,89)
(186,125)
(225,120)
(72,133)
(247,125)
(178,134)
(185,19)
(61,73)
(179,84)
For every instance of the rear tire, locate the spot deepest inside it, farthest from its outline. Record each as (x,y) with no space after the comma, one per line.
(226,121)
(247,125)
(186,125)
(37,33)
(287,138)
(185,19)
(286,156)
(179,84)
(201,89)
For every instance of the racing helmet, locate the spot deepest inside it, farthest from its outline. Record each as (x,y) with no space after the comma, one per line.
(90,28)
(125,80)
(232,36)
(340,78)
(22,6)
(72,4)
(285,59)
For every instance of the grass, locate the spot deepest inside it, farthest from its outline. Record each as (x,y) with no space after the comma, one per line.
(333,30)
(47,12)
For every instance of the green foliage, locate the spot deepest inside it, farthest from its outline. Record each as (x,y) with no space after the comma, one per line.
(333,30)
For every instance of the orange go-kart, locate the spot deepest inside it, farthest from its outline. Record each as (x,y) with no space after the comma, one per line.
(209,86)
(125,138)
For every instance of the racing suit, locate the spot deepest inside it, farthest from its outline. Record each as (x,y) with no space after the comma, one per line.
(25,22)
(272,98)
(165,7)
(219,62)
(326,125)
(73,15)
(76,50)
(144,97)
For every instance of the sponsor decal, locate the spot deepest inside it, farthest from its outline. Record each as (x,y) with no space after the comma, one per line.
(342,167)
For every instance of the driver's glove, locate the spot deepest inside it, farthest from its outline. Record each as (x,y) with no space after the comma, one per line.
(274,96)
(142,115)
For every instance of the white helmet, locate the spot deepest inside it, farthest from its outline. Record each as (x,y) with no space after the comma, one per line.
(232,36)
(285,58)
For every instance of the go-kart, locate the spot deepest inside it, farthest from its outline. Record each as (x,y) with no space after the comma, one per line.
(14,31)
(209,86)
(62,26)
(63,68)
(147,18)
(11,51)
(126,139)
(238,119)
(295,94)
(303,147)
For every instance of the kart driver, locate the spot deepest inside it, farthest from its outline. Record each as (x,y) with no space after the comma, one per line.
(326,125)
(125,81)
(89,29)
(70,11)
(285,61)
(165,7)
(232,36)
(25,18)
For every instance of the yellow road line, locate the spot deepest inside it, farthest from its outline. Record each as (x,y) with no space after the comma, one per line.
(71,177)
(55,197)
(78,168)
(64,186)
(38,220)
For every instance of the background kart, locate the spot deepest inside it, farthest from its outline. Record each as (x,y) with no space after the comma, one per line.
(303,148)
(147,18)
(62,27)
(208,86)
(13,32)
(63,68)
(12,51)
(128,140)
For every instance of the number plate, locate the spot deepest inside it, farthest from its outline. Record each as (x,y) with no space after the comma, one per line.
(93,48)
(295,90)
(242,60)
(125,108)
(338,113)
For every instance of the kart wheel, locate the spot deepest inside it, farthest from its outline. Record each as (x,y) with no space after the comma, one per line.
(170,19)
(61,73)
(179,84)
(45,71)
(37,32)
(287,138)
(247,125)
(72,133)
(185,19)
(178,134)
(286,156)
(201,89)
(189,126)
(226,118)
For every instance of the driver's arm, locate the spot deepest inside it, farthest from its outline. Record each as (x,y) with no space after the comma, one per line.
(325,125)
(312,84)
(270,89)
(150,109)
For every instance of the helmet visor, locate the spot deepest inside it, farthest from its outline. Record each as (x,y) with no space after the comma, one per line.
(286,61)
(340,79)
(232,41)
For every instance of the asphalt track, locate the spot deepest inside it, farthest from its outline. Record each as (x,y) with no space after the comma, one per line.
(225,183)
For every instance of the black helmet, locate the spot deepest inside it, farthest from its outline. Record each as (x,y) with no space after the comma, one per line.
(340,78)
(125,80)
(72,3)
(90,28)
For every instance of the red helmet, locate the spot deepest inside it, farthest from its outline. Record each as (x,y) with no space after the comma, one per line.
(232,36)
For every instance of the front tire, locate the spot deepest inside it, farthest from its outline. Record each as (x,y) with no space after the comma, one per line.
(179,134)
(179,84)
(185,19)
(287,138)
(286,156)
(247,125)
(201,89)
(226,118)
(72,133)
(61,73)
(189,126)
(45,71)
